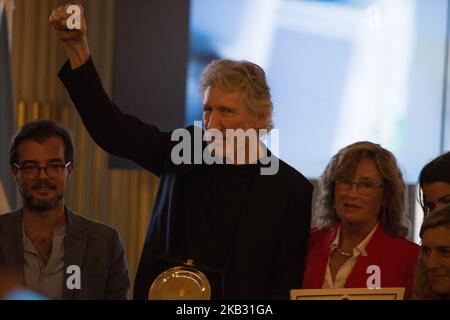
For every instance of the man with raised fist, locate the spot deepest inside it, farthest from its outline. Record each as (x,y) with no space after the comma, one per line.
(247,231)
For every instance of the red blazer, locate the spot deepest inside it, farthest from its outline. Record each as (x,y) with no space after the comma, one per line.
(396,257)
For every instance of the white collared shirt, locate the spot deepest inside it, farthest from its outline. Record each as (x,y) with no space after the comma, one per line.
(345,270)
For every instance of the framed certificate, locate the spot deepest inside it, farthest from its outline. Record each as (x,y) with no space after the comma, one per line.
(348,294)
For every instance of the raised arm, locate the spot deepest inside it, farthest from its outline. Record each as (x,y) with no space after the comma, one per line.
(117,133)
(75,40)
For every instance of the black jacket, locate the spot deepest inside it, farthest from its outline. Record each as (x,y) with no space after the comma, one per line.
(271,240)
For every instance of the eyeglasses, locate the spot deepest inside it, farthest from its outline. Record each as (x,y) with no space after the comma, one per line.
(365,187)
(53,170)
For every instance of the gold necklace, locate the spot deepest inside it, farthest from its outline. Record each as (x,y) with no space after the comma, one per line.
(344,253)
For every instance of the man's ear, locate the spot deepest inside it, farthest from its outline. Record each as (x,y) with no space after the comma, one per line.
(14,173)
(70,168)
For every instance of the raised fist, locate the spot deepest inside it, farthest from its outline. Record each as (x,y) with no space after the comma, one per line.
(70,26)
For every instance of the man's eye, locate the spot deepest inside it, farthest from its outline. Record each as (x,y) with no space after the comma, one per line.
(55,166)
(226,110)
(29,167)
(425,251)
(445,252)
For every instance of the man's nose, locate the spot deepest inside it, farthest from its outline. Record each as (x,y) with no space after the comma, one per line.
(432,261)
(213,121)
(43,173)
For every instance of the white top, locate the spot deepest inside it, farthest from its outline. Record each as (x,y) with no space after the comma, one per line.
(345,270)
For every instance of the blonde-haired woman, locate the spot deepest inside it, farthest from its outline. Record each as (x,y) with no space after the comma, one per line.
(361,223)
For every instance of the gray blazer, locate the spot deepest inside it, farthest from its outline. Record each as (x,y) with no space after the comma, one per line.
(93,246)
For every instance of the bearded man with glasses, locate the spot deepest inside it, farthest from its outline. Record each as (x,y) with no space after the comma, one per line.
(362,224)
(60,254)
